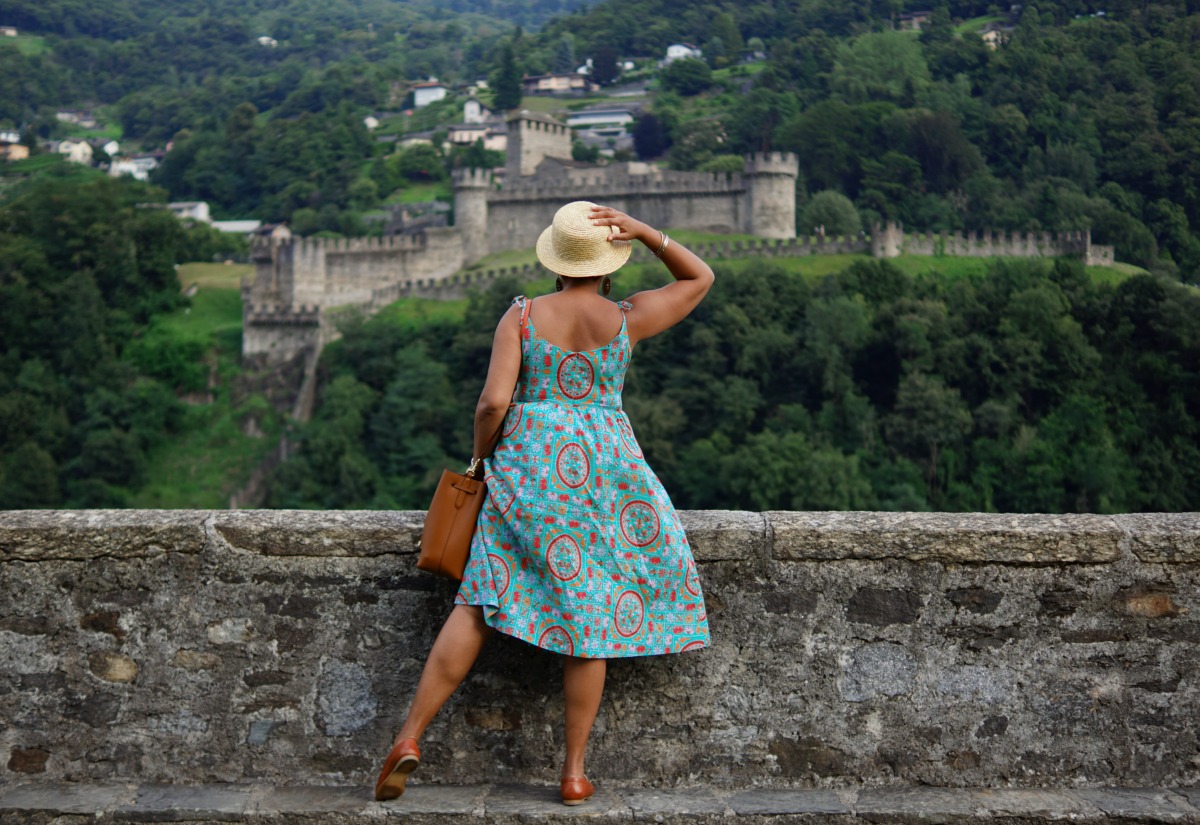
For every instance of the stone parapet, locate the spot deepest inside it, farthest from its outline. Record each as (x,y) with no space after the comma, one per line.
(851,652)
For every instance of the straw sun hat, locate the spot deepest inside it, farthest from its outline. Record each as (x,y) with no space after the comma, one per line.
(575,247)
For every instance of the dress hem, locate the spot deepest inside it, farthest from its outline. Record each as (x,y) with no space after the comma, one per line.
(489,611)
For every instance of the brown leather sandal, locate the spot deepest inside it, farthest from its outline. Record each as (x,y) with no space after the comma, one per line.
(401,761)
(576,790)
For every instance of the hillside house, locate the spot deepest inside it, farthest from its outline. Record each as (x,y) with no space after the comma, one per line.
(10,136)
(8,31)
(267,42)
(76,150)
(995,34)
(108,146)
(601,118)
(371,122)
(682,51)
(426,93)
(137,167)
(494,134)
(557,84)
(237,227)
(12,150)
(82,119)
(191,210)
(475,112)
(914,20)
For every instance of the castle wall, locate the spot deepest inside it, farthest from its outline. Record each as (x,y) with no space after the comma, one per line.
(893,240)
(533,138)
(848,650)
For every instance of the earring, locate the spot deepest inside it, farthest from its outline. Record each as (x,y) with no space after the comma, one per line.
(606,285)
(558,284)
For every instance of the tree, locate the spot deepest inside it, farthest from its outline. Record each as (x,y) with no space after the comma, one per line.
(649,137)
(833,211)
(605,69)
(506,81)
(688,77)
(564,54)
(881,66)
(757,117)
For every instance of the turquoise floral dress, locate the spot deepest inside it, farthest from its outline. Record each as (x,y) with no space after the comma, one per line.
(578,549)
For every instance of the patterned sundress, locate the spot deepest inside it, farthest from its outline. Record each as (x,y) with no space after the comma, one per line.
(578,549)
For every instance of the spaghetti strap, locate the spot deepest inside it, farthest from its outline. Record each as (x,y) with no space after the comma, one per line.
(625,306)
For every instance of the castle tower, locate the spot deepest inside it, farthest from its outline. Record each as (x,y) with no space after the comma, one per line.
(471,211)
(888,241)
(531,137)
(771,194)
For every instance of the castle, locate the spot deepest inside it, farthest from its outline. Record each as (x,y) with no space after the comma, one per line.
(297,279)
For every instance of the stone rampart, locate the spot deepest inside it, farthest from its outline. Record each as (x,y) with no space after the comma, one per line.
(849,650)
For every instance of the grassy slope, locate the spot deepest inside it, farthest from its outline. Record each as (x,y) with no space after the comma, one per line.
(207,462)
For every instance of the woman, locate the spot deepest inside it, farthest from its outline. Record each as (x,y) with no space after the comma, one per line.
(578,549)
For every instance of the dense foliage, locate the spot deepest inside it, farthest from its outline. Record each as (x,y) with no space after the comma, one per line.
(1080,119)
(86,386)
(1031,389)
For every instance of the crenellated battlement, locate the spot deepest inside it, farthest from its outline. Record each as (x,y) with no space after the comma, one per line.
(891,240)
(773,163)
(471,178)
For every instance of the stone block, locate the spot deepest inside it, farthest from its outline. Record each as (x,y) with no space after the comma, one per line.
(1162,537)
(725,535)
(650,803)
(317,533)
(28,760)
(304,799)
(113,667)
(945,537)
(877,669)
(195,660)
(187,803)
(524,802)
(1153,804)
(1147,601)
(873,605)
(765,802)
(41,535)
(65,798)
(932,805)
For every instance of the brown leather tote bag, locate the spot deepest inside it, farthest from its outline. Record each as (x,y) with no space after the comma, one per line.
(450,524)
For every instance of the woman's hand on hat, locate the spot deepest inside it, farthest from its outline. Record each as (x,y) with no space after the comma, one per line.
(628,229)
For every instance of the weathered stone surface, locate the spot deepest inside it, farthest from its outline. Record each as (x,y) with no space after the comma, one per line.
(1162,537)
(975,599)
(28,760)
(181,803)
(772,802)
(717,535)
(113,667)
(1147,601)
(196,660)
(321,533)
(345,702)
(1030,803)
(877,606)
(231,631)
(650,803)
(1129,803)
(66,797)
(257,667)
(879,669)
(543,801)
(307,799)
(38,535)
(926,804)
(946,537)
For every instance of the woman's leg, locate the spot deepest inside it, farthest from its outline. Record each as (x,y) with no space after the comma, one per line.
(455,650)
(583,685)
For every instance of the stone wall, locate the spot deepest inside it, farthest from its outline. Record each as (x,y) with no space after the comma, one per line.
(850,649)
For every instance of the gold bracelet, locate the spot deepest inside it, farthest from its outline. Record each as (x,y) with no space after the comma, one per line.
(662,243)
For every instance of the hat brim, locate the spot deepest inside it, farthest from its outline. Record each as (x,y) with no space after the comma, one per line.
(615,255)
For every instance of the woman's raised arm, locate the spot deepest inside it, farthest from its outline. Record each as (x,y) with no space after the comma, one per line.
(656,310)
